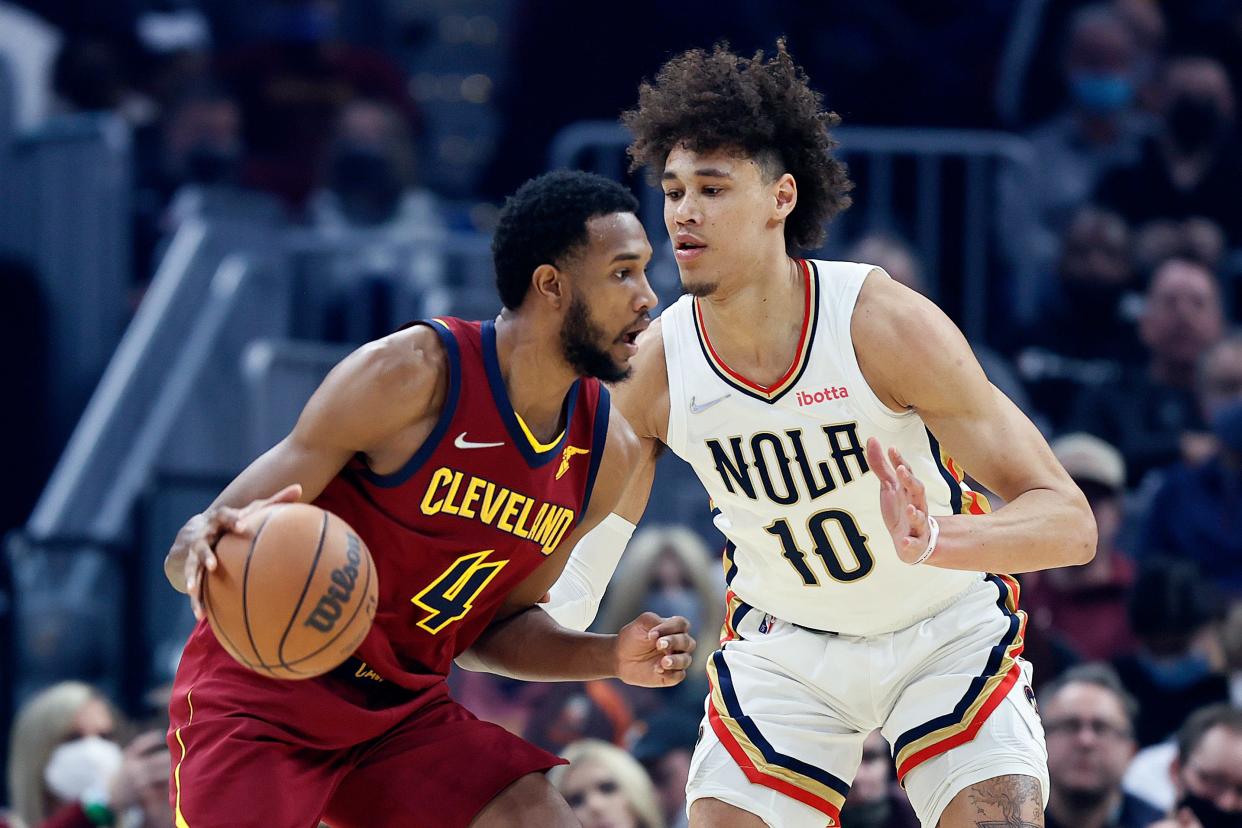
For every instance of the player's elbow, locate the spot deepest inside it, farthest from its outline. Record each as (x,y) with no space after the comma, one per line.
(1084,535)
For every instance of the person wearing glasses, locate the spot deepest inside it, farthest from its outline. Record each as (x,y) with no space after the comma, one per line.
(1207,772)
(1089,727)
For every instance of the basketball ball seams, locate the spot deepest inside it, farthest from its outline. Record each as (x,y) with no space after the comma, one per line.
(344,628)
(310,576)
(245,602)
(218,628)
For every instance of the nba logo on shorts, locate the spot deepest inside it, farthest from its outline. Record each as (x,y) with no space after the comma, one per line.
(765,625)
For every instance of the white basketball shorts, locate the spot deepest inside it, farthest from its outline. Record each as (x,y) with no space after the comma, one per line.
(789,709)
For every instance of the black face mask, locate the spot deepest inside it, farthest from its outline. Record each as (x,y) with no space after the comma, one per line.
(207,165)
(1209,813)
(367,185)
(1196,123)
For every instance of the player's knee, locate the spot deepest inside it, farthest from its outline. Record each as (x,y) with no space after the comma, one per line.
(531,800)
(1014,799)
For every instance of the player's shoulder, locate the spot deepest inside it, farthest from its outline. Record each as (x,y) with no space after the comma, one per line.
(885,306)
(409,364)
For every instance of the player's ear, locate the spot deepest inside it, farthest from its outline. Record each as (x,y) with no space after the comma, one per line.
(785,191)
(549,284)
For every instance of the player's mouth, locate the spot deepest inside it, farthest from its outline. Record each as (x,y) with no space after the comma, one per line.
(629,337)
(687,248)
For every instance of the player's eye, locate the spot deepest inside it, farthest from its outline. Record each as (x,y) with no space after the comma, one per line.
(711,191)
(622,274)
(672,195)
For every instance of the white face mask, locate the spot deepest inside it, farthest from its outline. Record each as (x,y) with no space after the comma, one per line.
(76,766)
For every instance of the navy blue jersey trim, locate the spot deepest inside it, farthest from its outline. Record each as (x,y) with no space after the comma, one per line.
(388,481)
(995,657)
(599,439)
(496,382)
(770,754)
(955,488)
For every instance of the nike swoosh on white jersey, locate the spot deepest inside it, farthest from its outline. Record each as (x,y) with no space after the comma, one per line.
(462,443)
(699,409)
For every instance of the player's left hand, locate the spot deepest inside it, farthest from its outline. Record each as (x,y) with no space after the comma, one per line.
(903,501)
(654,651)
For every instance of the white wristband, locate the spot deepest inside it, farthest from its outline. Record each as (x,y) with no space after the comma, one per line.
(933,535)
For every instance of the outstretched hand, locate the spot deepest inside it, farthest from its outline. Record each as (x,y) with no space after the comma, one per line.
(193,550)
(903,501)
(654,651)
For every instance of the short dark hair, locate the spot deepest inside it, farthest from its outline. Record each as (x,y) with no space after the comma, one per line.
(764,109)
(545,221)
(1097,674)
(1203,720)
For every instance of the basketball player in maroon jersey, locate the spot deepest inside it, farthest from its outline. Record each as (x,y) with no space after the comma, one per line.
(469,457)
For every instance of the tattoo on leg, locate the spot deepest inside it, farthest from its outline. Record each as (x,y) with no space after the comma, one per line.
(1007,802)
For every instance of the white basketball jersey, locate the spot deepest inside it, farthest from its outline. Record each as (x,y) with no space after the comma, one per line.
(786,469)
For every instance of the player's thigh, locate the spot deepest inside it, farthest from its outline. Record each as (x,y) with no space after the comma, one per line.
(440,769)
(265,780)
(530,800)
(1013,800)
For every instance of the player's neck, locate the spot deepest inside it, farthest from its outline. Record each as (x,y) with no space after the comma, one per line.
(535,373)
(754,318)
(747,304)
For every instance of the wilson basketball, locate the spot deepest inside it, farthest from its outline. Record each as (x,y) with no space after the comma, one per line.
(296,599)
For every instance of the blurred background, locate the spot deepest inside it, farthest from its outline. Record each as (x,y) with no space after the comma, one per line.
(204,204)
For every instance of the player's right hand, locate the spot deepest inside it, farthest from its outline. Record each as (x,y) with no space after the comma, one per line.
(193,550)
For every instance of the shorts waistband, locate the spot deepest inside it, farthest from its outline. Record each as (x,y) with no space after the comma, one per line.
(930,612)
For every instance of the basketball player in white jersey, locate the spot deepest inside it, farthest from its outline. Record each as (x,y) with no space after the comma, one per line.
(830,413)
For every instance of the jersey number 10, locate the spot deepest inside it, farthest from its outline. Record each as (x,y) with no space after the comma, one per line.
(838,570)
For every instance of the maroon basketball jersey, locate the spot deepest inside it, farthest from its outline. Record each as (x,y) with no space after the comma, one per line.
(473,513)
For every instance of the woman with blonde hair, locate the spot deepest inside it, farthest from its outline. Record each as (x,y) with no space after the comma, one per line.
(669,571)
(64,762)
(606,787)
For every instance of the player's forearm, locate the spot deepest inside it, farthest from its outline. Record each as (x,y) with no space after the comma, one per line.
(533,647)
(1040,529)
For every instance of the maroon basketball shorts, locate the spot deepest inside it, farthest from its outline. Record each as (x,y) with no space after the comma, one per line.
(254,751)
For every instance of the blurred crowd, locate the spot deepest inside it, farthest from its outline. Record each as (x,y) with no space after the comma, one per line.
(1131,363)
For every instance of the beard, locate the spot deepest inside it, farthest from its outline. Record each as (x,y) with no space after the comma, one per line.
(580,345)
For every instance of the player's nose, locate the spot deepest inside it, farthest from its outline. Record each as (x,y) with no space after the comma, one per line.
(645,299)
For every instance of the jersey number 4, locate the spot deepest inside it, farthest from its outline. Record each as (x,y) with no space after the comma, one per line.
(449,597)
(818,526)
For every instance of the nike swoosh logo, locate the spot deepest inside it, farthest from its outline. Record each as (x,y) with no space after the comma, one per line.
(462,443)
(699,409)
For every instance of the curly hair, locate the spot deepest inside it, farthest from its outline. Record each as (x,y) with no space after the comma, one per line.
(545,221)
(761,109)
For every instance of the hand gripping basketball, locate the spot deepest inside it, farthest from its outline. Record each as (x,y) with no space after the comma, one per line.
(193,550)
(654,651)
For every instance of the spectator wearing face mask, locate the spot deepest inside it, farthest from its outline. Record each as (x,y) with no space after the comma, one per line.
(1089,725)
(606,787)
(667,570)
(1098,129)
(369,179)
(1192,166)
(67,771)
(1207,772)
(1148,412)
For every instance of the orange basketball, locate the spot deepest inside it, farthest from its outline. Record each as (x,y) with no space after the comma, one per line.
(297,598)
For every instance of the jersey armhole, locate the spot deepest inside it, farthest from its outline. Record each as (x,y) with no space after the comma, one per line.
(599,441)
(670,328)
(452,354)
(882,416)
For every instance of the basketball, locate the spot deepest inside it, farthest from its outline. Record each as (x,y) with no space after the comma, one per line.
(297,598)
